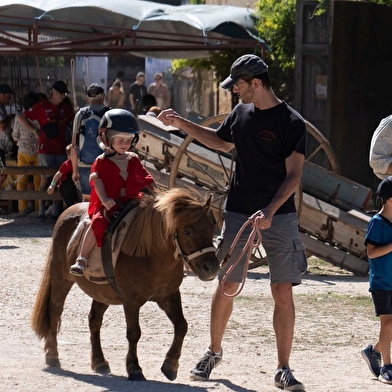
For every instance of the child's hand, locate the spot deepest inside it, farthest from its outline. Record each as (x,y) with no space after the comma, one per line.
(108,203)
(50,190)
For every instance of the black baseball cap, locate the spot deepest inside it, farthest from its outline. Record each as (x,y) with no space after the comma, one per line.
(5,89)
(245,66)
(95,90)
(61,87)
(384,189)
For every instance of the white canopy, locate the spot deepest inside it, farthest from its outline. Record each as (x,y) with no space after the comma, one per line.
(117,26)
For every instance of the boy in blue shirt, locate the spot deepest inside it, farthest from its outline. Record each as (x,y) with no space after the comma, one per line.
(378,240)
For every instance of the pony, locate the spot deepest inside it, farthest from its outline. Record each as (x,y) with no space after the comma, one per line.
(166,229)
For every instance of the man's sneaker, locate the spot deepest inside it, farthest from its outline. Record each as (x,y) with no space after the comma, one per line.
(386,374)
(204,367)
(284,379)
(372,358)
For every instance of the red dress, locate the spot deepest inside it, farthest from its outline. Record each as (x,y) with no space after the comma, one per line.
(109,173)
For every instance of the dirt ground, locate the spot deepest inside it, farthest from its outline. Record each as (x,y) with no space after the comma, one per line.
(334,321)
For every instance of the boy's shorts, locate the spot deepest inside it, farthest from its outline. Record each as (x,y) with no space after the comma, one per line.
(285,251)
(84,180)
(382,300)
(51,161)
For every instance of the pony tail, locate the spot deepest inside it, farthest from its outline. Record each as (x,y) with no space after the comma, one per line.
(40,318)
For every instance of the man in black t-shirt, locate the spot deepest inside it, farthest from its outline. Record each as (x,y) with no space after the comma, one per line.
(269,137)
(137,91)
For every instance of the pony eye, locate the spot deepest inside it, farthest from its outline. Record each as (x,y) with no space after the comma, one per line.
(187,232)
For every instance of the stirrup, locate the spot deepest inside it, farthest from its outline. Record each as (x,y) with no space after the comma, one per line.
(77,269)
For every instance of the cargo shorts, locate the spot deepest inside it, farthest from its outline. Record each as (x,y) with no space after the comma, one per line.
(284,250)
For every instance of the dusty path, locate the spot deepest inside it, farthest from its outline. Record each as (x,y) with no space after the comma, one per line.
(334,320)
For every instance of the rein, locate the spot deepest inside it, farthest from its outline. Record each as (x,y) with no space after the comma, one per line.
(188,258)
(254,241)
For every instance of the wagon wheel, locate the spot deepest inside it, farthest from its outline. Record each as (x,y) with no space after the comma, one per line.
(188,168)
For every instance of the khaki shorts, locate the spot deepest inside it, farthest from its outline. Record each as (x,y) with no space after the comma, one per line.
(285,251)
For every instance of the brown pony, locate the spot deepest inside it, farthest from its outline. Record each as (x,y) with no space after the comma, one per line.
(166,227)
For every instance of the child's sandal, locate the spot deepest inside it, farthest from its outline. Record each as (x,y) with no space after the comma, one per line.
(77,269)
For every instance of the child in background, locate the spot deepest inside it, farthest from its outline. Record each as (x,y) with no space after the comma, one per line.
(66,186)
(378,240)
(116,175)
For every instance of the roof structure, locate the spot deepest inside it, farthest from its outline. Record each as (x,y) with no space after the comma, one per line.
(134,27)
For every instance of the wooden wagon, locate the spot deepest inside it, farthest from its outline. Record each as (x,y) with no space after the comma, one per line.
(332,209)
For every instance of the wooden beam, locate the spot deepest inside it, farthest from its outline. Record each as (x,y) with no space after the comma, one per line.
(28,170)
(28,195)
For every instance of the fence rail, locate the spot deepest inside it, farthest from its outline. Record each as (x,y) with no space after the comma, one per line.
(16,171)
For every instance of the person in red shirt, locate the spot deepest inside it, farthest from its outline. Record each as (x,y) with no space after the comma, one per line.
(55,122)
(116,176)
(63,179)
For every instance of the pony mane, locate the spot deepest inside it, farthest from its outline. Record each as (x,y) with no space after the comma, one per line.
(157,218)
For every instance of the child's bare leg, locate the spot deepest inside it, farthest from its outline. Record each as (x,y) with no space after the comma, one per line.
(88,244)
(385,338)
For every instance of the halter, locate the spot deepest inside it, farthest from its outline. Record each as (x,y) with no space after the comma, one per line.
(188,258)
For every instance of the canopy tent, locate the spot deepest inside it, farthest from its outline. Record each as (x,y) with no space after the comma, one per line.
(140,28)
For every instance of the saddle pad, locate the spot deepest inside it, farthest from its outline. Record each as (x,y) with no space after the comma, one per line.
(94,271)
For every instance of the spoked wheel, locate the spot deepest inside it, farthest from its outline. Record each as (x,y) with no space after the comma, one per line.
(207,170)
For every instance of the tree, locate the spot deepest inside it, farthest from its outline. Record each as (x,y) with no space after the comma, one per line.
(276,24)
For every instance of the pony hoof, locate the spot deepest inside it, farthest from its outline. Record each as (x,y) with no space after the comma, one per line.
(52,362)
(103,368)
(136,377)
(169,373)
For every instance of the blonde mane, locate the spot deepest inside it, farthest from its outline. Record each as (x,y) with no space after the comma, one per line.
(156,219)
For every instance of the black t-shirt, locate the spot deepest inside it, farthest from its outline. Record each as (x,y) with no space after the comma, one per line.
(138,91)
(263,140)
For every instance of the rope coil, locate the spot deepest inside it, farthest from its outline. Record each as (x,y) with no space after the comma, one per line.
(253,241)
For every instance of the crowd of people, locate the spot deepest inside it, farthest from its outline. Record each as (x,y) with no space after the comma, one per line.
(40,134)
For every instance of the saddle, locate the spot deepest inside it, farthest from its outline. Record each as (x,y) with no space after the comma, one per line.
(102,261)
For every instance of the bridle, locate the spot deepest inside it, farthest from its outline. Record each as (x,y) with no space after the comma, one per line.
(187,258)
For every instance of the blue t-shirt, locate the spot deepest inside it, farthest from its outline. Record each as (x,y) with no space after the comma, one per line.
(379,232)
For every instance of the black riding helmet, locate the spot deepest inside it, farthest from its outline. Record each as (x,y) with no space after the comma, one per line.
(116,121)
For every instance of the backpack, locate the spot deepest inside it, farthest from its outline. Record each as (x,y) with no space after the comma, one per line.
(88,134)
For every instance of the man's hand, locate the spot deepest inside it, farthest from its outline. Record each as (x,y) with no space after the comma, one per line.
(262,219)
(168,116)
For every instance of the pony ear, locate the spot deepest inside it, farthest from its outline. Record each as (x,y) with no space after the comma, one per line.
(207,206)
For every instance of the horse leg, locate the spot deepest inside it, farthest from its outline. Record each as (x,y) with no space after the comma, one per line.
(173,309)
(98,361)
(59,292)
(132,312)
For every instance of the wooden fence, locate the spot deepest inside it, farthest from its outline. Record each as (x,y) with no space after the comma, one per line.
(9,194)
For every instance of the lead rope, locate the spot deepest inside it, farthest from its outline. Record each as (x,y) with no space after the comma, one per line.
(254,241)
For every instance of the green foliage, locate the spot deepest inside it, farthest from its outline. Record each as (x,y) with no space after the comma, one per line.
(276,24)
(195,2)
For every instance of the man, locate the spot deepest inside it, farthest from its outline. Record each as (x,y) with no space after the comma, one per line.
(136,92)
(54,118)
(85,139)
(269,137)
(6,143)
(380,157)
(160,91)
